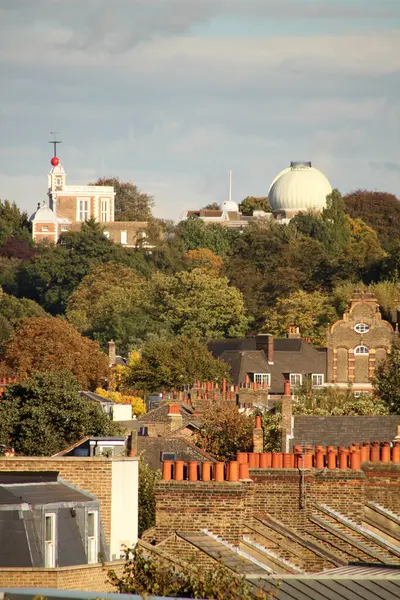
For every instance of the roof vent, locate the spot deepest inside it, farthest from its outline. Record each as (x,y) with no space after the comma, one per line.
(295,164)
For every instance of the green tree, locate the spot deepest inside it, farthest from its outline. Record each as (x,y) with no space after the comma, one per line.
(195,234)
(130,203)
(211,206)
(251,203)
(148,479)
(13,223)
(387,380)
(173,363)
(335,217)
(199,303)
(379,210)
(224,431)
(49,344)
(146,575)
(311,312)
(112,302)
(13,313)
(44,414)
(337,402)
(50,277)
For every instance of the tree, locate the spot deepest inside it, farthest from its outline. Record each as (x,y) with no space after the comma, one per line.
(51,277)
(13,313)
(44,414)
(196,234)
(49,344)
(147,500)
(212,206)
(112,302)
(173,363)
(311,312)
(224,431)
(145,575)
(13,223)
(379,210)
(204,258)
(363,251)
(138,405)
(337,222)
(130,203)
(387,380)
(251,203)
(334,401)
(199,303)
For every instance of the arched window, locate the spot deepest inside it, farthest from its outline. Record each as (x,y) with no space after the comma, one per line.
(361,328)
(361,350)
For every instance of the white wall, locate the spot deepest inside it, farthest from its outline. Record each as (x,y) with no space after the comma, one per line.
(122,412)
(124,504)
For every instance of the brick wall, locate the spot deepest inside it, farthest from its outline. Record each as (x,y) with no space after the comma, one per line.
(382,484)
(90,474)
(91,578)
(193,506)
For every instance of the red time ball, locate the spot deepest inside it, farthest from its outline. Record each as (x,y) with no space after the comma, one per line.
(55,161)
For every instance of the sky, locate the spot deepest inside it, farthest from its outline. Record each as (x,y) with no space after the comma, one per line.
(172,94)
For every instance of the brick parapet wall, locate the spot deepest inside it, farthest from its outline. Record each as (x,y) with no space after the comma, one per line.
(382,484)
(193,506)
(93,475)
(90,578)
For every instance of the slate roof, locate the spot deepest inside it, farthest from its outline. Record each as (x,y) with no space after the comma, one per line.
(160,415)
(152,447)
(41,494)
(343,430)
(291,355)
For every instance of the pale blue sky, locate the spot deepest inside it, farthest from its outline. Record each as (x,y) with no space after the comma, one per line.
(171,94)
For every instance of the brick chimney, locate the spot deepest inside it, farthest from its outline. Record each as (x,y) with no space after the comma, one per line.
(258,436)
(287,416)
(270,350)
(132,443)
(175,419)
(112,354)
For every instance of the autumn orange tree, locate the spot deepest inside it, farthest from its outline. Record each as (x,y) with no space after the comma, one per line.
(205,259)
(49,344)
(225,431)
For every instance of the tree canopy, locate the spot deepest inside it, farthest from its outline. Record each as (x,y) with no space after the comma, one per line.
(44,414)
(130,203)
(387,380)
(50,344)
(251,203)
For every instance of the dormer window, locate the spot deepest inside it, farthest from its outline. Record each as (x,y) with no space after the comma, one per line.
(263,378)
(361,328)
(360,350)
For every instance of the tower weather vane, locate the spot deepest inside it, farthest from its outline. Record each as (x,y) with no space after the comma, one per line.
(55,161)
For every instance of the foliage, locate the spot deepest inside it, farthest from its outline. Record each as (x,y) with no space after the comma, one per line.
(387,380)
(211,206)
(203,258)
(337,223)
(13,223)
(138,405)
(272,426)
(112,302)
(311,312)
(251,203)
(379,210)
(51,277)
(13,312)
(149,575)
(8,274)
(44,414)
(198,303)
(130,203)
(333,401)
(173,363)
(50,344)
(148,479)
(387,294)
(224,431)
(195,234)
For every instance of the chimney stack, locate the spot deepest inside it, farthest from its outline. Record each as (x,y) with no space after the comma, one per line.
(270,350)
(175,418)
(287,416)
(258,436)
(112,354)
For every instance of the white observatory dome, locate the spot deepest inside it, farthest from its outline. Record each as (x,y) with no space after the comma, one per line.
(229,206)
(299,187)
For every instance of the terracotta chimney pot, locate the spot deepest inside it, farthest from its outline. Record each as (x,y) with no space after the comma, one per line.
(277,460)
(233,471)
(258,422)
(179,464)
(343,458)
(364,453)
(355,459)
(385,452)
(332,459)
(242,457)
(167,470)
(206,471)
(265,460)
(286,388)
(253,460)
(319,458)
(288,460)
(244,471)
(375,452)
(219,471)
(396,453)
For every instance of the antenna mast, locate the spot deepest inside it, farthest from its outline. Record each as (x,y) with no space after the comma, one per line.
(54,141)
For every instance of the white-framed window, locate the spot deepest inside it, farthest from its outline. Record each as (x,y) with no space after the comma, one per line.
(93,536)
(124,237)
(361,350)
(105,210)
(296,379)
(64,227)
(359,393)
(83,209)
(317,379)
(361,328)
(50,540)
(263,378)
(45,228)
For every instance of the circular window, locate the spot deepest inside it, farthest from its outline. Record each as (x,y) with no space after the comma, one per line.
(361,350)
(361,328)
